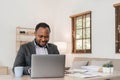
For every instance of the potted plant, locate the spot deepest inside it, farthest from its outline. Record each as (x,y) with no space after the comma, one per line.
(108,68)
(111,67)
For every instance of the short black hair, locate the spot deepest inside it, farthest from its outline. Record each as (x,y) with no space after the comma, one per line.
(43,25)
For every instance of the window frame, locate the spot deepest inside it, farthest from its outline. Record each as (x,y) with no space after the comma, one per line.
(73,21)
(117,28)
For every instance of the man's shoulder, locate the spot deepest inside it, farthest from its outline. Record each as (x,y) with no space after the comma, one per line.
(27,44)
(51,45)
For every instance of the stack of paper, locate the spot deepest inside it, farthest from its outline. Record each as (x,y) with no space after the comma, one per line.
(86,74)
(76,71)
(91,68)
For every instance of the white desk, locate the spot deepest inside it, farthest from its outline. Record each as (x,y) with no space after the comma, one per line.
(111,77)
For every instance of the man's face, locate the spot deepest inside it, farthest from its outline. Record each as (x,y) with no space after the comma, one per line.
(42,36)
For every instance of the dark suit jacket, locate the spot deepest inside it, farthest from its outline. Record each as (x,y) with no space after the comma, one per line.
(23,57)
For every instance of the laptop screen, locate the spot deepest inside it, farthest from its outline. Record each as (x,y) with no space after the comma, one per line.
(52,65)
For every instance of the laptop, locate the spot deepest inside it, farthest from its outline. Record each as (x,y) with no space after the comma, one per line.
(47,66)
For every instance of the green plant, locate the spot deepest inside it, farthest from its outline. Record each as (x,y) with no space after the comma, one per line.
(108,65)
(104,65)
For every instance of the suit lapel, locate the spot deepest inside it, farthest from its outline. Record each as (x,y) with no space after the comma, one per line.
(32,47)
(49,49)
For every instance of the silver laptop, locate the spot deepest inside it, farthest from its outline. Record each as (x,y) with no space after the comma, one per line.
(52,65)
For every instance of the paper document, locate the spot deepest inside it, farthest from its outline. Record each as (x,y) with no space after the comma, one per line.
(77,71)
(91,68)
(86,74)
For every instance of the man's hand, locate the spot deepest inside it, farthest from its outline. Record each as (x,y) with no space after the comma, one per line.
(29,70)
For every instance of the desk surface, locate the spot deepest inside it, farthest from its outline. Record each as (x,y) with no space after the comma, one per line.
(11,77)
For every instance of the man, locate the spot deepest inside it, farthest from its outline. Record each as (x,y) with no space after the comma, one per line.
(39,46)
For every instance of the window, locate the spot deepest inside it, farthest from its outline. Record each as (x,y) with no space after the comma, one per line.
(81,32)
(117,27)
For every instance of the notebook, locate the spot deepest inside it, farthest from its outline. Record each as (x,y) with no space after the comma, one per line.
(47,66)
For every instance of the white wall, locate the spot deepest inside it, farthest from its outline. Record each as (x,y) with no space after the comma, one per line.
(27,13)
(24,13)
(103,26)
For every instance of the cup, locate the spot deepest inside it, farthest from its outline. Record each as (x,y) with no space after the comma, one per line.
(18,71)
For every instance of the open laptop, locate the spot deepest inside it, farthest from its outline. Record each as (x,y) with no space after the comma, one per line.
(52,65)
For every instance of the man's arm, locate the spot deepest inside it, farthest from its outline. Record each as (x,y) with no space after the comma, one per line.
(20,60)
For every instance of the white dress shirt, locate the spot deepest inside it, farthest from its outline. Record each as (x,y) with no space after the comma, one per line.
(40,50)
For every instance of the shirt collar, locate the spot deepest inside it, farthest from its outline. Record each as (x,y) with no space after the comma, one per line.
(36,45)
